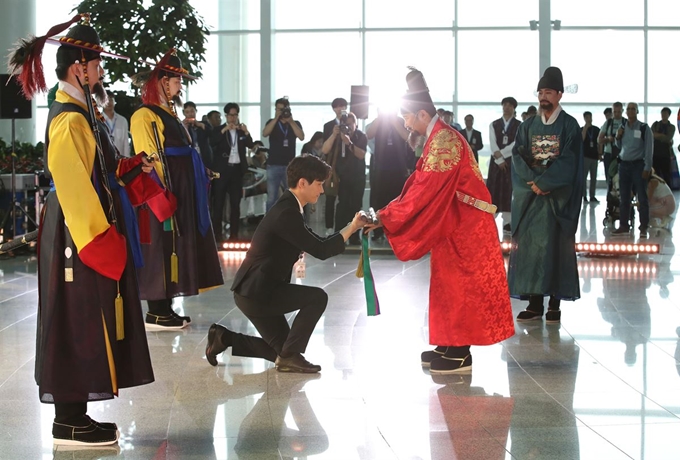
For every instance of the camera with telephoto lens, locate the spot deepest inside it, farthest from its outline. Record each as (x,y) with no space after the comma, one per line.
(285,112)
(344,128)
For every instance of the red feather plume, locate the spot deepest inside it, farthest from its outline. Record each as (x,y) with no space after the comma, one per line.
(150,94)
(25,60)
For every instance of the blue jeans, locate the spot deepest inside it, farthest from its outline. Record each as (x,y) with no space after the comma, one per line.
(631,180)
(276,178)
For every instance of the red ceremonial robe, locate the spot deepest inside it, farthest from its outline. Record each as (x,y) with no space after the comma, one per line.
(469,299)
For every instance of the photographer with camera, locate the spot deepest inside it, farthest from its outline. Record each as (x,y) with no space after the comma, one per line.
(199,131)
(391,160)
(339,106)
(230,141)
(282,131)
(346,151)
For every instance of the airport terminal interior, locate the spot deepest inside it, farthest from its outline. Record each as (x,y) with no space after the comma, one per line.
(602,384)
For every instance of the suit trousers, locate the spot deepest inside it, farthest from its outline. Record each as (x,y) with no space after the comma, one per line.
(631,180)
(278,337)
(330,211)
(350,200)
(590,168)
(230,182)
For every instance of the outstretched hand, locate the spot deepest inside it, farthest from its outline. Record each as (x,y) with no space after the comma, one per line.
(359,221)
(370,226)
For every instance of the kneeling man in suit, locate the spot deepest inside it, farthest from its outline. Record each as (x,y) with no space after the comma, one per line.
(262,287)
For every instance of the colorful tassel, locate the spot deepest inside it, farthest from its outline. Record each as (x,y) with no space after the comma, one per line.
(372,303)
(174,268)
(120,319)
(167,225)
(360,267)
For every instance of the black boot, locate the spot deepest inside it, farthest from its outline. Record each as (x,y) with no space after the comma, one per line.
(426,357)
(162,317)
(554,314)
(455,360)
(72,427)
(219,339)
(534,311)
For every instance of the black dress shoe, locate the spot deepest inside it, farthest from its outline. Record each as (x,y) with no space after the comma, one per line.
(219,339)
(297,364)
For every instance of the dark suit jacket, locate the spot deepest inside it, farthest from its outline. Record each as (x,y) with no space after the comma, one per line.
(276,246)
(328,128)
(201,138)
(221,145)
(476,141)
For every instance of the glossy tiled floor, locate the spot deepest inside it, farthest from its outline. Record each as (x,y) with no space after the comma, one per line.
(605,384)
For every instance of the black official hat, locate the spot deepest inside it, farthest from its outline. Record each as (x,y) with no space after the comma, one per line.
(551,79)
(418,95)
(170,65)
(80,43)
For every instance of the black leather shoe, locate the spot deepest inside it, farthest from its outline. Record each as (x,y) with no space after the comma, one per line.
(219,339)
(296,363)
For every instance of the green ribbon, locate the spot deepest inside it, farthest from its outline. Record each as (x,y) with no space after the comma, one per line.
(372,303)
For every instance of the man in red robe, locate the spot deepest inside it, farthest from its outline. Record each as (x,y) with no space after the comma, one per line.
(445,210)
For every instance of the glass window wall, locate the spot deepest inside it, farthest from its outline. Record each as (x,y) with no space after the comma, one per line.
(472,54)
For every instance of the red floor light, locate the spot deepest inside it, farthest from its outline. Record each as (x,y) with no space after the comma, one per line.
(234,246)
(617,248)
(617,268)
(604,248)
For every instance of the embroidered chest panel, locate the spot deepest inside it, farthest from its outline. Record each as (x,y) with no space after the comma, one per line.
(545,148)
(444,152)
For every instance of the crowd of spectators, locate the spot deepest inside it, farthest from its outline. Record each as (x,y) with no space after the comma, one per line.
(229,149)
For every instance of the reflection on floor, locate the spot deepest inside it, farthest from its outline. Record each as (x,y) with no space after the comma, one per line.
(605,384)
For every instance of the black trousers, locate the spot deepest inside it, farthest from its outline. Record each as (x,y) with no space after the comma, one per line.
(350,200)
(330,210)
(160,307)
(278,338)
(230,182)
(661,162)
(70,413)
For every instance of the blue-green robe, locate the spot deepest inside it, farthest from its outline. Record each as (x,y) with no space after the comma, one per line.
(543,255)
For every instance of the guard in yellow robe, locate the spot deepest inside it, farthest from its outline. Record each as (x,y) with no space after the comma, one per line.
(90,338)
(180,253)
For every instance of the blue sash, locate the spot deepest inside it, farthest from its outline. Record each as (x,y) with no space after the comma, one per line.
(128,214)
(130,220)
(200,184)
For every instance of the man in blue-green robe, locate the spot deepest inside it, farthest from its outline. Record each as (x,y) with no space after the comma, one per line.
(547,164)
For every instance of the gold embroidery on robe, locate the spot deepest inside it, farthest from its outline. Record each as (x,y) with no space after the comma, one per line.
(444,152)
(475,167)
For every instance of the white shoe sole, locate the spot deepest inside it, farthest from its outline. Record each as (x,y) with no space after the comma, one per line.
(158,327)
(81,444)
(462,370)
